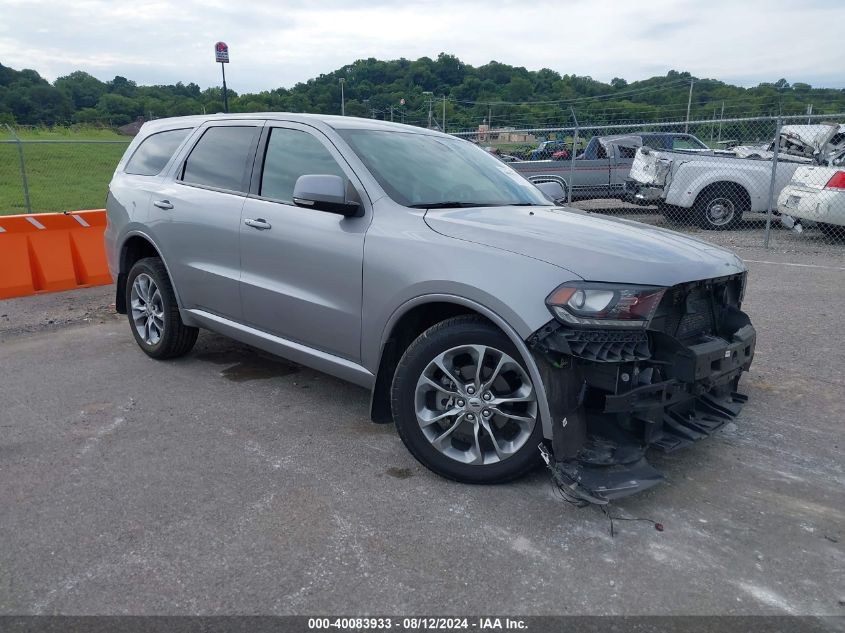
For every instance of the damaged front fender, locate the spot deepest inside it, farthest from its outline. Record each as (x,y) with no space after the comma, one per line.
(615,394)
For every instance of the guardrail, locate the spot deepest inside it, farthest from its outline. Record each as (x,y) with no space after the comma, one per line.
(48,252)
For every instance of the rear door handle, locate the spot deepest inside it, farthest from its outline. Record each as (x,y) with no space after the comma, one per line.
(163,204)
(258,223)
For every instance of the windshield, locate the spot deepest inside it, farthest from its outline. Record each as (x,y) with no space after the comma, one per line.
(424,170)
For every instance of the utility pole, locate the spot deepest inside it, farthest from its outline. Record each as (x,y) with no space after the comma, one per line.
(391,114)
(444,114)
(689,103)
(342,99)
(721,118)
(809,112)
(430,96)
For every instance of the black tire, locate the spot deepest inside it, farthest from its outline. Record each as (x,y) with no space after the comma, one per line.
(176,339)
(448,334)
(834,232)
(676,216)
(720,206)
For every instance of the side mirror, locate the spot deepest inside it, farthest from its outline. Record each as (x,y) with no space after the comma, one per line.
(553,190)
(325,193)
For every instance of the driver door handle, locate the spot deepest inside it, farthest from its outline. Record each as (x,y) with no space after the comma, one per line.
(163,204)
(258,223)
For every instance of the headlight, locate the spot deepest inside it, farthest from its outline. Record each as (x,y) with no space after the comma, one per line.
(604,305)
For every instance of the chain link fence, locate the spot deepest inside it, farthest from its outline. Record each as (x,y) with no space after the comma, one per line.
(44,175)
(739,181)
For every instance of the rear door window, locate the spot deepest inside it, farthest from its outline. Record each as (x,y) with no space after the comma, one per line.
(683,142)
(657,142)
(222,158)
(154,152)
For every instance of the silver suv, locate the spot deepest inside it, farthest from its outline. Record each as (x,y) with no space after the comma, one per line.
(487,322)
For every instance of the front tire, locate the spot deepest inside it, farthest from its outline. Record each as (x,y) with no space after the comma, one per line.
(464,404)
(154,313)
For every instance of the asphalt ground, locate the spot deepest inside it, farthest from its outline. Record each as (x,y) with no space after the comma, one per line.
(229,482)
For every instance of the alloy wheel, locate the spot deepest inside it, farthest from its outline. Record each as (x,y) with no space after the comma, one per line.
(475,404)
(147,309)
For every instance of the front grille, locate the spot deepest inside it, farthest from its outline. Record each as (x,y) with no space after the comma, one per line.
(690,311)
(607,345)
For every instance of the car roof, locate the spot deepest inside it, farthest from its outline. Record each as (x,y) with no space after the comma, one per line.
(334,121)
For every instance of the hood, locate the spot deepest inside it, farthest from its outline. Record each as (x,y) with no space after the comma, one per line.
(593,247)
(812,137)
(798,143)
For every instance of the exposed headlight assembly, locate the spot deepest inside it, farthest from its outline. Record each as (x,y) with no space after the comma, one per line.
(595,304)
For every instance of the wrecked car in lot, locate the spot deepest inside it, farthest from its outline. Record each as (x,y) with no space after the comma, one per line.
(715,188)
(816,195)
(601,169)
(487,322)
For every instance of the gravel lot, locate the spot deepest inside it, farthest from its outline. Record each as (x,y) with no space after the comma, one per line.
(230,482)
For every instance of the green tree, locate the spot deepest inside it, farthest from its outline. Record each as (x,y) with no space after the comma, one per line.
(83,89)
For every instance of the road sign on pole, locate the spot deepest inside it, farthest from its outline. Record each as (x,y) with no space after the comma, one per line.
(221,55)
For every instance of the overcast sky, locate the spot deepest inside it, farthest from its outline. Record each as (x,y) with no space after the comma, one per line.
(280,43)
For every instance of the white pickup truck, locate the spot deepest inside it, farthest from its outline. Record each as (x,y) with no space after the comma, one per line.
(716,187)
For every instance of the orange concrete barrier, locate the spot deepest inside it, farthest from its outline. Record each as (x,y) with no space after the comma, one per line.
(46,252)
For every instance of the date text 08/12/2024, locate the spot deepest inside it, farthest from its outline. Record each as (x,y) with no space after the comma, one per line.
(418,623)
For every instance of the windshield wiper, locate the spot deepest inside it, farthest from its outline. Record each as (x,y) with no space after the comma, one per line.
(447,205)
(465,205)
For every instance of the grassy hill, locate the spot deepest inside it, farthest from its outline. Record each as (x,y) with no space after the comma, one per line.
(507,95)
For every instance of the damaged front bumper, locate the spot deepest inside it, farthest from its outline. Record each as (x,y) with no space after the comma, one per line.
(613,395)
(642,193)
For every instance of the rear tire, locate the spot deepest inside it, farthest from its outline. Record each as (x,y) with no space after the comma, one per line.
(833,232)
(487,425)
(153,312)
(720,207)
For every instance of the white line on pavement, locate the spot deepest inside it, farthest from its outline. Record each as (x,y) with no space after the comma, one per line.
(756,261)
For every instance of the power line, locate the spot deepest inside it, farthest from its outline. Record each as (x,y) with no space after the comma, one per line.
(576,99)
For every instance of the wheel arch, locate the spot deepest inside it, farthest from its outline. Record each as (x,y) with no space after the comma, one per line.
(136,246)
(541,178)
(723,186)
(416,316)
(691,178)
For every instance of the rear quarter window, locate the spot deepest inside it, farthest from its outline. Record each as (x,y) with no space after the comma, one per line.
(154,152)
